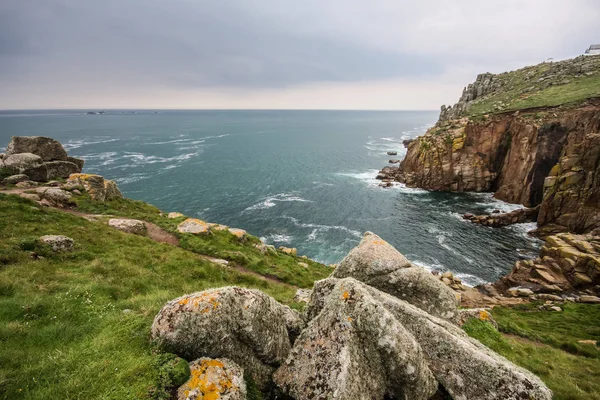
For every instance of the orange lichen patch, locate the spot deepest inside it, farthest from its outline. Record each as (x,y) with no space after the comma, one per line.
(378,242)
(484,315)
(349,319)
(209,380)
(345,295)
(183,301)
(204,302)
(239,233)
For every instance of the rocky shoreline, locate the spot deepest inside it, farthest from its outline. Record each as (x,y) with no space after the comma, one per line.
(545,158)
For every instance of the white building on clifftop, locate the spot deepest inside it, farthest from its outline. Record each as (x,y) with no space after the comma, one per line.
(593,50)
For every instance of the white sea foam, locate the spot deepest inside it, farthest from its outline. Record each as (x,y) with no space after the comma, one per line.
(139,158)
(277,238)
(322,228)
(369,178)
(441,237)
(77,143)
(467,279)
(490,203)
(131,178)
(271,201)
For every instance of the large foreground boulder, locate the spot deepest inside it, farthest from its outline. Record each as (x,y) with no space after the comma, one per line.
(353,349)
(214,379)
(376,263)
(48,149)
(244,325)
(360,334)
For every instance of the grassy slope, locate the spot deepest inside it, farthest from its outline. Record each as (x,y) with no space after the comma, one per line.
(514,94)
(546,343)
(63,333)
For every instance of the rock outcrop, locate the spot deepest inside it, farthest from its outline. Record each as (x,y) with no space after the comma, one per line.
(214,379)
(548,158)
(362,340)
(194,225)
(244,325)
(378,264)
(98,188)
(504,219)
(40,158)
(567,263)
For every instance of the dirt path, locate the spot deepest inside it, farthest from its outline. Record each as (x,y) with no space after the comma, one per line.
(157,234)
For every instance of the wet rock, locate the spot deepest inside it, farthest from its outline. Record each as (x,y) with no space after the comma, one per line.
(244,325)
(210,379)
(193,225)
(58,243)
(504,219)
(392,153)
(378,264)
(128,225)
(46,148)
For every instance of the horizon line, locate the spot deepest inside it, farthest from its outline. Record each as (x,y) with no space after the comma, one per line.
(96,109)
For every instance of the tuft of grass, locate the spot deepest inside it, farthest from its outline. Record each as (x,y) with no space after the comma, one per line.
(535,341)
(77,324)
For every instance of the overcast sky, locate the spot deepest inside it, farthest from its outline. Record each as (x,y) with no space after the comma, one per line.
(331,54)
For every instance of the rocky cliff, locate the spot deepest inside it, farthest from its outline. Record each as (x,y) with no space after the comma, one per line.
(548,155)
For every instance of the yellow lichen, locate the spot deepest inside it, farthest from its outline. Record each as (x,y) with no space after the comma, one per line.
(208,380)
(345,295)
(484,315)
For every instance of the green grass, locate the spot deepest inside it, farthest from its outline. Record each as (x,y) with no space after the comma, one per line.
(63,332)
(219,244)
(521,89)
(545,343)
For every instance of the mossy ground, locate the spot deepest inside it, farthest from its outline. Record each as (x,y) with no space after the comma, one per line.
(547,343)
(63,332)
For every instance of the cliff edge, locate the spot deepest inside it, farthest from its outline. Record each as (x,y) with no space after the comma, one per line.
(532,136)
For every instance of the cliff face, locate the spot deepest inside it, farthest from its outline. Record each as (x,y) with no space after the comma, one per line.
(532,136)
(547,156)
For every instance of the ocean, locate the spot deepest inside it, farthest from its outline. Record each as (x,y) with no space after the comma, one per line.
(303,179)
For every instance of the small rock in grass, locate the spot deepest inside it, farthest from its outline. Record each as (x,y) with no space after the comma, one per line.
(58,242)
(128,225)
(193,225)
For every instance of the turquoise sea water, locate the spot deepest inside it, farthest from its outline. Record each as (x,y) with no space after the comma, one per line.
(303,179)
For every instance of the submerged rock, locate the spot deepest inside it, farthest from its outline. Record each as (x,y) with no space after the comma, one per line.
(244,325)
(214,379)
(378,264)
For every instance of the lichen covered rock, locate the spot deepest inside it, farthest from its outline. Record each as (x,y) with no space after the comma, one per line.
(213,379)
(28,164)
(128,225)
(193,225)
(58,242)
(98,188)
(46,148)
(61,169)
(56,196)
(349,315)
(244,325)
(173,215)
(378,264)
(352,348)
(239,233)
